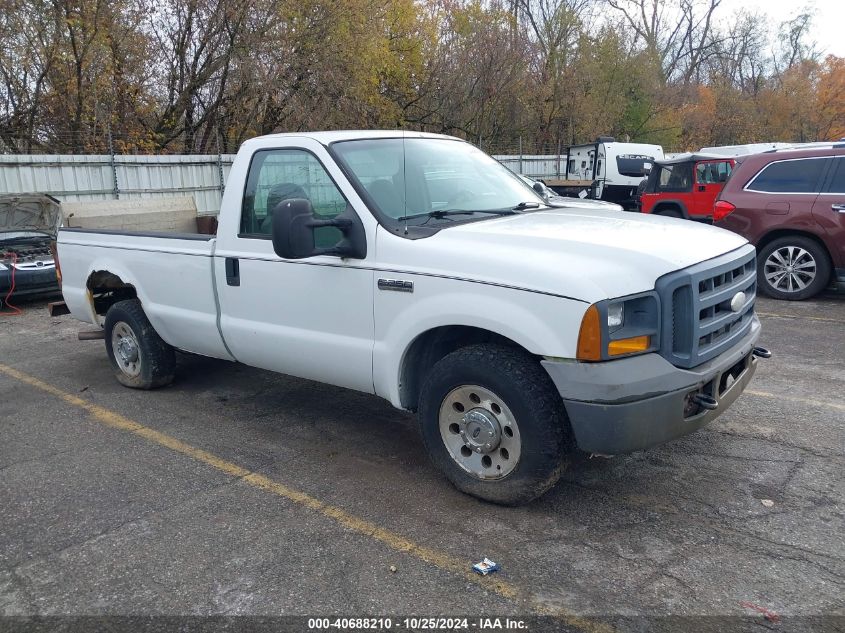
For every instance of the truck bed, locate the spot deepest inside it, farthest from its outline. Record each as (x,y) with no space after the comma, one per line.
(172,274)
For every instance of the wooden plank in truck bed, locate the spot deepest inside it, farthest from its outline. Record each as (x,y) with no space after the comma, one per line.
(554,182)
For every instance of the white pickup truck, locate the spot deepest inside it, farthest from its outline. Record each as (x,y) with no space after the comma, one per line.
(415,267)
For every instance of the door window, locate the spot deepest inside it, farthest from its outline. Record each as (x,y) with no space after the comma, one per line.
(837,179)
(287,174)
(801,175)
(713,173)
(675,178)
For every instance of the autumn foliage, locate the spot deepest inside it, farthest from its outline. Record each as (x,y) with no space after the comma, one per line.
(203,75)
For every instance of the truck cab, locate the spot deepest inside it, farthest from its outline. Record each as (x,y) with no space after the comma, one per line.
(686,186)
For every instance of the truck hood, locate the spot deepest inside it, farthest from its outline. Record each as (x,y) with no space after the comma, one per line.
(588,255)
(24,213)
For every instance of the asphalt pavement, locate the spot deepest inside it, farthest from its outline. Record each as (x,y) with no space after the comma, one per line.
(240,492)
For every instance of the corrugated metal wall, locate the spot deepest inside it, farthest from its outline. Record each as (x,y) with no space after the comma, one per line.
(535,165)
(76,178)
(72,178)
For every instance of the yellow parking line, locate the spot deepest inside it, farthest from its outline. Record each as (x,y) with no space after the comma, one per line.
(810,401)
(799,316)
(395,541)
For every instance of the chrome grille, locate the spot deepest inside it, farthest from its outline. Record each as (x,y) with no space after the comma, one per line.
(697,305)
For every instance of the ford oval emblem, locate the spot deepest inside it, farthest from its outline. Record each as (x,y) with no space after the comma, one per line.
(738,301)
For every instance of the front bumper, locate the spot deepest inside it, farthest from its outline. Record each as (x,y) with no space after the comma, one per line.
(633,403)
(29,281)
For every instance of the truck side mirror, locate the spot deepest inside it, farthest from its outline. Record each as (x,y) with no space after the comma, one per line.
(540,188)
(293,225)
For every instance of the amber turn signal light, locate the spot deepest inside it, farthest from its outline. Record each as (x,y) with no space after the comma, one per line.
(628,345)
(589,337)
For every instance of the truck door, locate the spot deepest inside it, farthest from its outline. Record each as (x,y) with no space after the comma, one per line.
(710,178)
(311,317)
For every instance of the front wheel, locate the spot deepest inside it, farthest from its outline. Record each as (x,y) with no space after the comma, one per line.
(792,268)
(139,357)
(494,424)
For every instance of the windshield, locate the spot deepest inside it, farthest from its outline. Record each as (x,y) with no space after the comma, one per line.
(634,165)
(418,176)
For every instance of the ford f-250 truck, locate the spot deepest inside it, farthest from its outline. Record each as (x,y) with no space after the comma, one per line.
(415,267)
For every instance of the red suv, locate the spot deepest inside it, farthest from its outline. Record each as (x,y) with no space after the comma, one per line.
(685,186)
(791,205)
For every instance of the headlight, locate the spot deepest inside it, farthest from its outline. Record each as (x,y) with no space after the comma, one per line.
(615,316)
(620,327)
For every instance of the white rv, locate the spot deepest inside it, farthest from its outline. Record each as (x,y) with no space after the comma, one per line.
(607,170)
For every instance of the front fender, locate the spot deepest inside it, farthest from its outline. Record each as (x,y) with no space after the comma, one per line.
(542,324)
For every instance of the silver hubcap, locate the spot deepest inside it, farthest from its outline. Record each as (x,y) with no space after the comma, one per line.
(125,348)
(480,432)
(789,269)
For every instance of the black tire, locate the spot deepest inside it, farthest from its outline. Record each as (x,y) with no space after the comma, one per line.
(526,390)
(809,254)
(640,189)
(155,363)
(669,212)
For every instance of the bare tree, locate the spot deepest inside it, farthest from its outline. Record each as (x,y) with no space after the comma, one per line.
(678,36)
(27,55)
(197,41)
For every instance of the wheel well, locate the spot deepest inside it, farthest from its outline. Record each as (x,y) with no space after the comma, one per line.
(771,236)
(668,206)
(429,347)
(106,289)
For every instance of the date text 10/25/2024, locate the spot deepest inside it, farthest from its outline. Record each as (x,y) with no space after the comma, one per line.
(416,624)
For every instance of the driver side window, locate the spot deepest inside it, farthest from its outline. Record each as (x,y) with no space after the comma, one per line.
(287,174)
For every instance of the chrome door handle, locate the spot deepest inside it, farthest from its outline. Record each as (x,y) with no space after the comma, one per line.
(839,208)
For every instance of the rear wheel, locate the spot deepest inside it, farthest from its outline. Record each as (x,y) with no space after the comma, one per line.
(139,357)
(792,268)
(494,424)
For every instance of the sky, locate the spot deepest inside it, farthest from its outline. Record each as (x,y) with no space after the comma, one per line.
(828,21)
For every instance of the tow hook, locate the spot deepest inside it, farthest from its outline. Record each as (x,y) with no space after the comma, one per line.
(705,401)
(761,352)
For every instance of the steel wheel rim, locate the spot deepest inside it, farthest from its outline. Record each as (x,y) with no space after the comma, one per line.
(790,269)
(125,349)
(480,432)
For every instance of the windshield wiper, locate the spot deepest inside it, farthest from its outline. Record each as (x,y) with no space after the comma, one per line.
(443,213)
(526,205)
